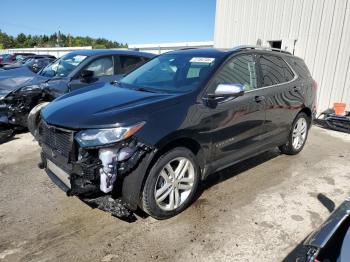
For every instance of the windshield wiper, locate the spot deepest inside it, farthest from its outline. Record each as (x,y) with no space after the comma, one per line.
(142,89)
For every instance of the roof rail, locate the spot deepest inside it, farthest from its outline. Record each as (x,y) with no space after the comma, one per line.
(242,47)
(186,48)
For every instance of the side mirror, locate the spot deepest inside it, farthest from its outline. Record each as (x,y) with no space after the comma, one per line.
(85,75)
(228,90)
(50,73)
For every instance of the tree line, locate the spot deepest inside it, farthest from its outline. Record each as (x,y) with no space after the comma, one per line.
(54,40)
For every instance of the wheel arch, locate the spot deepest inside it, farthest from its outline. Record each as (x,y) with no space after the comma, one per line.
(133,183)
(308,112)
(178,141)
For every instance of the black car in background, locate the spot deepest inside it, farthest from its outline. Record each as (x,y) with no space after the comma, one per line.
(331,241)
(4,58)
(35,62)
(14,58)
(149,139)
(21,89)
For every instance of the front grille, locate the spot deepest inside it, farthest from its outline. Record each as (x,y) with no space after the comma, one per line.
(57,139)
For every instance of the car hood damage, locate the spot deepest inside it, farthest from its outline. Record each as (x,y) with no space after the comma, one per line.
(11,80)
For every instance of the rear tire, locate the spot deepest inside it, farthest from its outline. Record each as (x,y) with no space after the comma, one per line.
(34,118)
(171,184)
(298,135)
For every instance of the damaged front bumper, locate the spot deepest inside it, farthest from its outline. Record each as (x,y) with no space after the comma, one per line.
(96,174)
(13,115)
(6,130)
(4,120)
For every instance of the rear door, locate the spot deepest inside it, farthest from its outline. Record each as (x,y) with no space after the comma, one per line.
(283,94)
(237,123)
(127,63)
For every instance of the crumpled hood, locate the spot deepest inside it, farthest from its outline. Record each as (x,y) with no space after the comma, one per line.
(13,79)
(105,106)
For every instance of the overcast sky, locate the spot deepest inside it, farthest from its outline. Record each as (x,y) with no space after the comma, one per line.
(131,21)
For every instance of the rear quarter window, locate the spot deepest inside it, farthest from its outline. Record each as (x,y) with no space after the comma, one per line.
(274,70)
(299,66)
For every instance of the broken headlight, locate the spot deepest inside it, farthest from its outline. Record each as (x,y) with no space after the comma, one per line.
(99,137)
(29,88)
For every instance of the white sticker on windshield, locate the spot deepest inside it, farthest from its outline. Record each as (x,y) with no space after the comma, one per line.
(79,58)
(204,60)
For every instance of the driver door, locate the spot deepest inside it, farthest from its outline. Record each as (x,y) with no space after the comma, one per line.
(103,68)
(237,123)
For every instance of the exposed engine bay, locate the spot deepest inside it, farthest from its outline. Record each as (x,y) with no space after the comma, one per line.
(97,170)
(14,111)
(18,105)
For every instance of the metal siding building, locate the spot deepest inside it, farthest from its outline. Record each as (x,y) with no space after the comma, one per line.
(316,30)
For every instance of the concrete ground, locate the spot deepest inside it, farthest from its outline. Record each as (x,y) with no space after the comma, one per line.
(259,210)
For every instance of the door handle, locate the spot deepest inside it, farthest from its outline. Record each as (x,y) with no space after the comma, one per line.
(296,88)
(258,99)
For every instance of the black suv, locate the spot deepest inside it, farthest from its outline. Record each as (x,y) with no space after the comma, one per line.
(149,139)
(24,92)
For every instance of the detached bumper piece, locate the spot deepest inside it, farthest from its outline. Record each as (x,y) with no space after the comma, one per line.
(335,122)
(339,123)
(114,206)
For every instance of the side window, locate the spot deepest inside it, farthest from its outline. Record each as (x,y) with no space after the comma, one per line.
(128,63)
(102,66)
(274,70)
(299,67)
(240,70)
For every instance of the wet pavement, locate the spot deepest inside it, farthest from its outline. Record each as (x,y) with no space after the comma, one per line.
(258,210)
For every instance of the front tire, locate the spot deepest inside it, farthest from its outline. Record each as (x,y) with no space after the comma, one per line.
(171,184)
(298,135)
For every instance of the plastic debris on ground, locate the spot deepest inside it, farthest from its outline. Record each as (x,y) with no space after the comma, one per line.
(114,206)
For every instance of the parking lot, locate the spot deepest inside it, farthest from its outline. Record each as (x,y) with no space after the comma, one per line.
(259,210)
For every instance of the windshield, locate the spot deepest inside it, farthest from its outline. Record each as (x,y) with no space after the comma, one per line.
(19,58)
(171,73)
(63,66)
